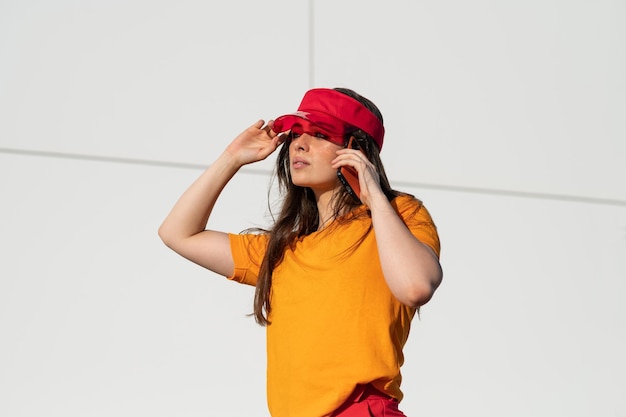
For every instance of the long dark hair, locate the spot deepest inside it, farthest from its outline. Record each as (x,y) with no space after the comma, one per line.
(298,214)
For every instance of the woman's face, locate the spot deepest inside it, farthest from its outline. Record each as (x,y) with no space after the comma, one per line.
(310,156)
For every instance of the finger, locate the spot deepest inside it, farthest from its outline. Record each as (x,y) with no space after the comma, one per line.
(352,152)
(268,129)
(349,158)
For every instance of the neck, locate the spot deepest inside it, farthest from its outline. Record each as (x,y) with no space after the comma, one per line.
(325,210)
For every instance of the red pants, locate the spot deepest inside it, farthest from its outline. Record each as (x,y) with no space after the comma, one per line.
(367,401)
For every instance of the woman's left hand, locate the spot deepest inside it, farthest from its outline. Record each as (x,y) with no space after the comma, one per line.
(369,180)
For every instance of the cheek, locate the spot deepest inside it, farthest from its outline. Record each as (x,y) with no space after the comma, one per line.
(325,164)
(329,151)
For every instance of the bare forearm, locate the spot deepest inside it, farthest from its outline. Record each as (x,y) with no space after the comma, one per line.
(191,212)
(411,269)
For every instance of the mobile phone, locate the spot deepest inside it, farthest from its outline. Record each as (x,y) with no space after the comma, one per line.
(348,175)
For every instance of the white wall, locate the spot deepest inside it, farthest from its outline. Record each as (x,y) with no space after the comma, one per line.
(506,118)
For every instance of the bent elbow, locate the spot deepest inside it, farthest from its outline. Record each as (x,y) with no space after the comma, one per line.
(421,293)
(418,296)
(165,236)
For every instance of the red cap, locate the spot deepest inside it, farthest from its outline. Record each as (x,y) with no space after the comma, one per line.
(334,112)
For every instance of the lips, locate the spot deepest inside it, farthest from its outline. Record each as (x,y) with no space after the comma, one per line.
(299,163)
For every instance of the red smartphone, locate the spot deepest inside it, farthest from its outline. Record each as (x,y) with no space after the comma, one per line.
(348,175)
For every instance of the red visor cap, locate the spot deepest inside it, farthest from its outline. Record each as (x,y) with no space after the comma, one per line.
(335,113)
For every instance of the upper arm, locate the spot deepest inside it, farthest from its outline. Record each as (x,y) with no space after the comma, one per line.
(209,249)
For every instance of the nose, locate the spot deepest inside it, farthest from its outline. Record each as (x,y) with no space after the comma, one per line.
(301,143)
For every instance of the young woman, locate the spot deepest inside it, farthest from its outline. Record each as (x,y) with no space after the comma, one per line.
(340,274)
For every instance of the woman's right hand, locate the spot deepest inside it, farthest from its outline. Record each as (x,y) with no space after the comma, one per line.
(255,143)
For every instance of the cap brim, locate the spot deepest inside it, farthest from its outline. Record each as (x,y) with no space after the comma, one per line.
(323,121)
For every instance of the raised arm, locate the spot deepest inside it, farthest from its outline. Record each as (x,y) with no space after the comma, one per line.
(183,230)
(411,269)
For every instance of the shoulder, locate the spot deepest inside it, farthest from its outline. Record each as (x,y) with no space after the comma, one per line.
(409,207)
(417,218)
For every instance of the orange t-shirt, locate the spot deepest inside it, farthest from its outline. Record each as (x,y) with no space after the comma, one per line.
(334,321)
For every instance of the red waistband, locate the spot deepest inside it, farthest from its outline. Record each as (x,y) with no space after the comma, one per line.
(358,403)
(362,392)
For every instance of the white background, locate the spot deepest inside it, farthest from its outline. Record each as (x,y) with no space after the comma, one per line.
(506,118)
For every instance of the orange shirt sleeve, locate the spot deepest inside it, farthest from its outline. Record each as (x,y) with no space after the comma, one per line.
(247,251)
(418,220)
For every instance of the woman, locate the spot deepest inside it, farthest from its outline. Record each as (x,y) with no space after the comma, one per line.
(340,274)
